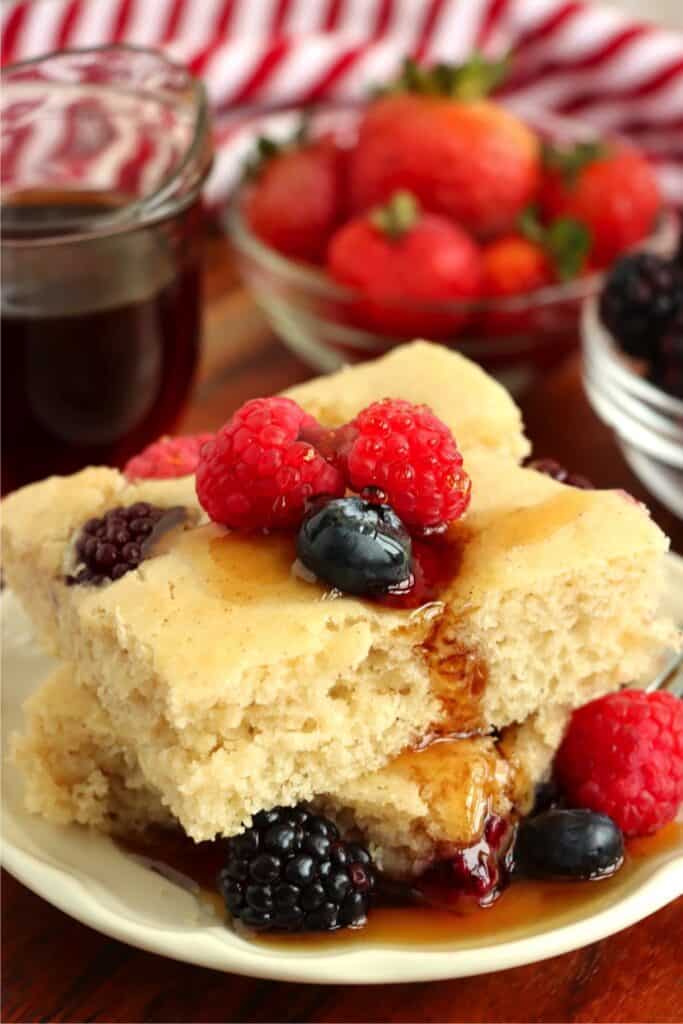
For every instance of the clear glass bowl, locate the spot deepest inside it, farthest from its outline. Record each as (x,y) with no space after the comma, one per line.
(514,338)
(647,422)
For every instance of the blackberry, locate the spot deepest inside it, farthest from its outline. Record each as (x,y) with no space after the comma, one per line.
(641,297)
(291,872)
(109,547)
(666,370)
(553,469)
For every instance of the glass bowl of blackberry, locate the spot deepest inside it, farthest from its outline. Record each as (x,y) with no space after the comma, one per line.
(633,367)
(354,238)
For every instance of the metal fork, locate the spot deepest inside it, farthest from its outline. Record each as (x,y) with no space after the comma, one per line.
(670,677)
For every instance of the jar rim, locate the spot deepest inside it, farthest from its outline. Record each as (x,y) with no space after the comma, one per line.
(174,193)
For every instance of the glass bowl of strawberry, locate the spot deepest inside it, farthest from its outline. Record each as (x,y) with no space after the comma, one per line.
(434,210)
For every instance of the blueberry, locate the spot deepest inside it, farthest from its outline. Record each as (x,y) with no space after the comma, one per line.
(569,844)
(355,546)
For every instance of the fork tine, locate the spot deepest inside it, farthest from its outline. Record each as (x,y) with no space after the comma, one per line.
(670,678)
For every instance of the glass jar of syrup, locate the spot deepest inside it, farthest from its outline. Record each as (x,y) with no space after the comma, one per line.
(104,153)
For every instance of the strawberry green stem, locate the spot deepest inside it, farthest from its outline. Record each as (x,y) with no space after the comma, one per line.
(267,148)
(571,160)
(397,216)
(473,80)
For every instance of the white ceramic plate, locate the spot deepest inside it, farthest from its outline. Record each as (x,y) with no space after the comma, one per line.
(88,877)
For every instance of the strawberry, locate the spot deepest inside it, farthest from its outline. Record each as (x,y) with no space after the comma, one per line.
(397,259)
(612,189)
(515,266)
(460,154)
(295,199)
(532,258)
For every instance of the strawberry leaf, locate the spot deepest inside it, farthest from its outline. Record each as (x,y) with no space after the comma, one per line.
(479,77)
(530,226)
(568,242)
(571,160)
(475,79)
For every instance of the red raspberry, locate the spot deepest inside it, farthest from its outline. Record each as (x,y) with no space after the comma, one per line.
(262,467)
(623,755)
(407,452)
(167,457)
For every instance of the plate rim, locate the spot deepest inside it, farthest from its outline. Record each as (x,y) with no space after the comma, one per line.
(359,966)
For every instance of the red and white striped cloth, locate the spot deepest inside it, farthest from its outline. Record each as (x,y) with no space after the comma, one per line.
(569,57)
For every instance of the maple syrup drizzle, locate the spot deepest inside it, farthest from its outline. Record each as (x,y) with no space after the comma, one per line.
(525,907)
(241,568)
(246,568)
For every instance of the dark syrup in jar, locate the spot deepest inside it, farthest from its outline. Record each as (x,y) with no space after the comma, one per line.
(525,907)
(99,336)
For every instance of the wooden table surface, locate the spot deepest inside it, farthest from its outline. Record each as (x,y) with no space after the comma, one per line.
(55,969)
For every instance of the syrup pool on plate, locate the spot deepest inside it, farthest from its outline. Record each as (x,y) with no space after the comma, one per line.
(525,908)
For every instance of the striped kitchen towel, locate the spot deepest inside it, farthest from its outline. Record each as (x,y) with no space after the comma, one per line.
(569,57)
